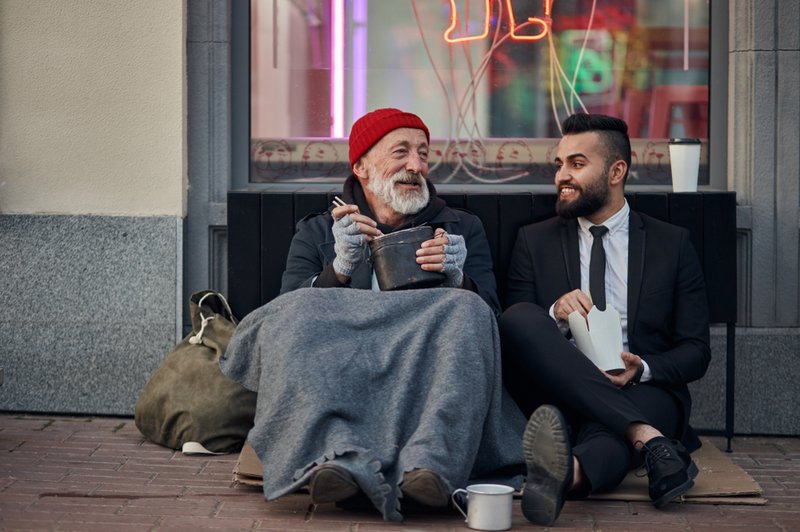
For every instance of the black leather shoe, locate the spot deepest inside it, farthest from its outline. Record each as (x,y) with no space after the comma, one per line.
(331,483)
(548,456)
(425,487)
(670,469)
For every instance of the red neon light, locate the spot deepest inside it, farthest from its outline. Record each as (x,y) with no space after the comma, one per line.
(544,23)
(454,22)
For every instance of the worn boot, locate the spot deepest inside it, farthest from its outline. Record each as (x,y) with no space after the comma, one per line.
(548,456)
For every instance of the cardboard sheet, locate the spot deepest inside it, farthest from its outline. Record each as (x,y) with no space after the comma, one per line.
(248,468)
(720,481)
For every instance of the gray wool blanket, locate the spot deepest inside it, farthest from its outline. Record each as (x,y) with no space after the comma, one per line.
(379,383)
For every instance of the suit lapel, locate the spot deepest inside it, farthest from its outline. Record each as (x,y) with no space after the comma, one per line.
(569,250)
(636,244)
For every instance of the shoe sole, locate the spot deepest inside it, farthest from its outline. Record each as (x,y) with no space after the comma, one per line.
(425,487)
(331,485)
(547,451)
(679,490)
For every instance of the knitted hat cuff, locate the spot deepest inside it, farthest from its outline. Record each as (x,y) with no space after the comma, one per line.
(373,126)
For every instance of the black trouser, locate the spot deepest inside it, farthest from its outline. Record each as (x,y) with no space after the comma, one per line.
(540,366)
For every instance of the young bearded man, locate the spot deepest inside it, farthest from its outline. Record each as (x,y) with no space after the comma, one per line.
(588,428)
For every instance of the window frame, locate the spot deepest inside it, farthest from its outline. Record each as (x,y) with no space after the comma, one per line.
(240,108)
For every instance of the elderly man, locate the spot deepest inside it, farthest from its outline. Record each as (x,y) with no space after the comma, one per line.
(388,191)
(394,395)
(589,427)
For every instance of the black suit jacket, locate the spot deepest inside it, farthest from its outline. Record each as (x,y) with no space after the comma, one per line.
(667,301)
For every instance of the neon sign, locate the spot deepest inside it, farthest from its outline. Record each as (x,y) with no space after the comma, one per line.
(543,23)
(454,22)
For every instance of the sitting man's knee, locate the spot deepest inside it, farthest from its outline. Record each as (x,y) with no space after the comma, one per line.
(525,314)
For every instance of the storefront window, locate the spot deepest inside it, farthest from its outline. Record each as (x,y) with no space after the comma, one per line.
(492,79)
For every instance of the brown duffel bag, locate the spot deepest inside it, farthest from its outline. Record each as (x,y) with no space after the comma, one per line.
(188,399)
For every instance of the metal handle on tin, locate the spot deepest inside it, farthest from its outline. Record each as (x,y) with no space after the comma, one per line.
(455,502)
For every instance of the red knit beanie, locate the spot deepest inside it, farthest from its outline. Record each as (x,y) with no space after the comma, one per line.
(372,127)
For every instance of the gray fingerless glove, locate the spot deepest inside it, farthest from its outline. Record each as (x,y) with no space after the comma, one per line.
(455,254)
(349,246)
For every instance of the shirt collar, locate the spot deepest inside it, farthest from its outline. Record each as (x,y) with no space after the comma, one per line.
(617,221)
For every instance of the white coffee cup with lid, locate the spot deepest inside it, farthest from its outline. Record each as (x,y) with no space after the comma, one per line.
(684,159)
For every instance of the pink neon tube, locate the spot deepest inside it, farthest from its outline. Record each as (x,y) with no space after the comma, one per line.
(337,70)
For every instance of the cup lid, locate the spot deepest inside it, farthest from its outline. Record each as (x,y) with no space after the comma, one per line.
(684,141)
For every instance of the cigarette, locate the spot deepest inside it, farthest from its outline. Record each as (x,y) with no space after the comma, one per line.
(338,201)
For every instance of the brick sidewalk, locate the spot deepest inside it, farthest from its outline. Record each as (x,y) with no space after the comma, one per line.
(97,473)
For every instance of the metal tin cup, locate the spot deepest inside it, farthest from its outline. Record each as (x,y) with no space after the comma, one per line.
(488,506)
(394,258)
(684,159)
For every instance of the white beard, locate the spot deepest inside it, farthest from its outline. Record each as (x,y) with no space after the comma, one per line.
(402,202)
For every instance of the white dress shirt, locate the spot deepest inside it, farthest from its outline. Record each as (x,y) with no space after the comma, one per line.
(615,244)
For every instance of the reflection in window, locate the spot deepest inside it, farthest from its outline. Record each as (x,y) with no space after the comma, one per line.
(492,79)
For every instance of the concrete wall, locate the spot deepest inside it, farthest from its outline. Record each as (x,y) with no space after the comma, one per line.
(92,199)
(764,154)
(764,169)
(93,107)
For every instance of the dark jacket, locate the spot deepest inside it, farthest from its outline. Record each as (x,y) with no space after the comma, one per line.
(667,303)
(311,253)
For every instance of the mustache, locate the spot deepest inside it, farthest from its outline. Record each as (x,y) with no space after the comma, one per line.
(407,178)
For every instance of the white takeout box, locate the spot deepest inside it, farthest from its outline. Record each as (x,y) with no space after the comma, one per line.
(601,338)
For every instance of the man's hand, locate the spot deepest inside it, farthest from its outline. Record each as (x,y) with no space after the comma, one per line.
(351,231)
(570,302)
(444,253)
(632,363)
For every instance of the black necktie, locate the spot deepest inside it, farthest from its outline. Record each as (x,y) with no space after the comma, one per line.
(597,267)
